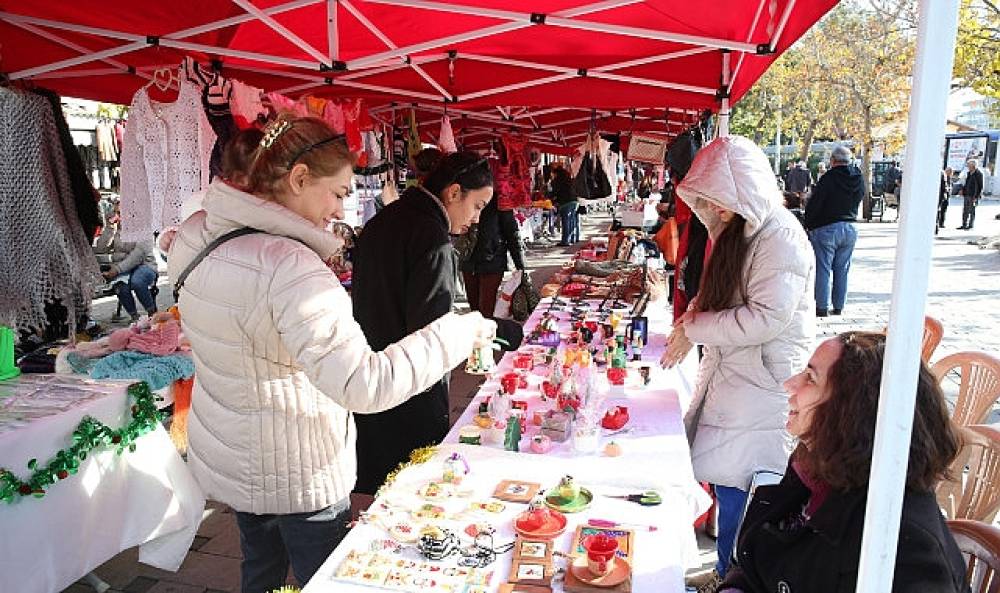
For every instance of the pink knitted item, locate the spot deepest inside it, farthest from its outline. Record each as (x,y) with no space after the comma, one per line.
(161,340)
(118,340)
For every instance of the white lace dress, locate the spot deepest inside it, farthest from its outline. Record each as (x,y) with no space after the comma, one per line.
(165,158)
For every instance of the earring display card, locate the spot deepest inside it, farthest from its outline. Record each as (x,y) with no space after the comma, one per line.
(413,576)
(516,491)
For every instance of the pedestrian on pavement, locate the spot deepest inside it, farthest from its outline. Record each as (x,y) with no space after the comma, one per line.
(754,317)
(804,534)
(565,200)
(280,361)
(798,179)
(971,192)
(892,181)
(944,194)
(830,214)
(496,236)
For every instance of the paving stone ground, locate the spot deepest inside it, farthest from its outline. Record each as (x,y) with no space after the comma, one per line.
(963,294)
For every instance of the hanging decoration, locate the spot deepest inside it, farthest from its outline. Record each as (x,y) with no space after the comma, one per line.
(91,435)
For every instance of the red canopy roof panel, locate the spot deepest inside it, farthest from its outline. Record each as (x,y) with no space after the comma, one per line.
(606,55)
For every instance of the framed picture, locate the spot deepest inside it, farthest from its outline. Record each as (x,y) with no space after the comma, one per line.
(532,562)
(516,491)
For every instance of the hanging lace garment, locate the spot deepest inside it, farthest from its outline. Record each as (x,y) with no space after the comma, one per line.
(446,141)
(44,255)
(246,104)
(165,159)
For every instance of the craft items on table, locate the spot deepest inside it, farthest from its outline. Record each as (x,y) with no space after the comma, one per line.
(413,576)
(649,498)
(436,491)
(615,418)
(612,449)
(455,469)
(532,562)
(557,425)
(568,497)
(516,491)
(512,436)
(481,361)
(471,435)
(540,522)
(541,443)
(580,578)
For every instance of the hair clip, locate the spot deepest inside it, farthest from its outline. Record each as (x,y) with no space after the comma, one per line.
(274,131)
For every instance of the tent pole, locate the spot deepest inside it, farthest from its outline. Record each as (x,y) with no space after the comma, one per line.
(936,32)
(724,107)
(332,30)
(753,27)
(282,30)
(781,24)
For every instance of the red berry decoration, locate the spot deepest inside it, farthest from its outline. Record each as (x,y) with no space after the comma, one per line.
(62,474)
(116,439)
(24,490)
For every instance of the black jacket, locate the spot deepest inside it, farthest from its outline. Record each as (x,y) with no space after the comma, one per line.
(798,179)
(404,278)
(496,237)
(836,197)
(562,191)
(973,187)
(822,555)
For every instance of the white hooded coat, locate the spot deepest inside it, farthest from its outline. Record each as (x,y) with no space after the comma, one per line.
(736,421)
(280,361)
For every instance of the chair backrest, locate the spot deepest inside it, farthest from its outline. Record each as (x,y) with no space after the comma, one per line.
(979,387)
(933,332)
(974,489)
(980,545)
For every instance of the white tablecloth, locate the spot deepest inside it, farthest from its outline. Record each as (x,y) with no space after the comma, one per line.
(146,498)
(655,456)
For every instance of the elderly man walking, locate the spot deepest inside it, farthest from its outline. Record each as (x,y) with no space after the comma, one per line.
(830,213)
(971,192)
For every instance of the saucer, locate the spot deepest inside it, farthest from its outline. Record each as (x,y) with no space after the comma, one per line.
(620,572)
(552,527)
(581,502)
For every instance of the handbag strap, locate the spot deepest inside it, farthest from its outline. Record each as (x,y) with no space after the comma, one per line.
(204,253)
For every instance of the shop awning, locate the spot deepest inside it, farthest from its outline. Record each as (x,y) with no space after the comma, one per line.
(544,66)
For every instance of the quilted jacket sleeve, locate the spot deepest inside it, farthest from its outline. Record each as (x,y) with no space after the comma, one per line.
(312,313)
(778,279)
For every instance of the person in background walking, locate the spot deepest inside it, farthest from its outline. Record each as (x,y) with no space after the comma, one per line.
(944,193)
(798,180)
(565,200)
(829,215)
(496,236)
(971,192)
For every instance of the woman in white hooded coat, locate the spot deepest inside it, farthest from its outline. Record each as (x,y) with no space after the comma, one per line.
(754,315)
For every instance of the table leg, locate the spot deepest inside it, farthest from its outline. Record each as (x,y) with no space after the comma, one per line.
(96,582)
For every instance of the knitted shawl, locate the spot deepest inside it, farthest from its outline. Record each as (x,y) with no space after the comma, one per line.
(44,255)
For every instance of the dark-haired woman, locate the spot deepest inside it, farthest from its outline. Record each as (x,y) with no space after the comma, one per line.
(404,274)
(755,316)
(565,201)
(806,531)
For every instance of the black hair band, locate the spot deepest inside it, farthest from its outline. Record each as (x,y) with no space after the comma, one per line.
(313,146)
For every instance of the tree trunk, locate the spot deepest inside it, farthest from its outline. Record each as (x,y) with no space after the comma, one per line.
(866,167)
(807,140)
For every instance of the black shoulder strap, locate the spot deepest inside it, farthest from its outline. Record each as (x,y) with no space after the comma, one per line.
(204,253)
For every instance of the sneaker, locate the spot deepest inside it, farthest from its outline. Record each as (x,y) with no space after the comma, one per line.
(822,313)
(835,311)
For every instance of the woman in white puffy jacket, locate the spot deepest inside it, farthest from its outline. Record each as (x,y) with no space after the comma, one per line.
(755,316)
(281,362)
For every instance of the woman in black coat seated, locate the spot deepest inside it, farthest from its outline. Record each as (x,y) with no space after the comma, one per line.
(804,535)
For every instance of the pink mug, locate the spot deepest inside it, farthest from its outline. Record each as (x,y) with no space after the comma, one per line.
(600,553)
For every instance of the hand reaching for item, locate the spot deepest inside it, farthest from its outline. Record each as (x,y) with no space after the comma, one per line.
(678,345)
(485,330)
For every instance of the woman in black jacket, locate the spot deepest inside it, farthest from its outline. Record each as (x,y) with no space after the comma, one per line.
(403,279)
(496,236)
(804,535)
(565,200)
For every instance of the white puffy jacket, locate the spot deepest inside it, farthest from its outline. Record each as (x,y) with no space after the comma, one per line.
(751,348)
(280,360)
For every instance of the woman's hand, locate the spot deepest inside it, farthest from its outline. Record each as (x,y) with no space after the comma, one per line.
(678,345)
(485,331)
(111,272)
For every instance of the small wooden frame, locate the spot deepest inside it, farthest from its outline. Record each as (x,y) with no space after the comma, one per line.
(516,491)
(522,588)
(532,562)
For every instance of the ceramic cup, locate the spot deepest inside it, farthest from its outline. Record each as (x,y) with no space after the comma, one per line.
(600,553)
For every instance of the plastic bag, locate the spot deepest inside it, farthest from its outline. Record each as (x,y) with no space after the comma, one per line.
(506,295)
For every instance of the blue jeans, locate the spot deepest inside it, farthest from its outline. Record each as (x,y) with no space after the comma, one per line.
(570,223)
(731,503)
(270,542)
(833,245)
(139,281)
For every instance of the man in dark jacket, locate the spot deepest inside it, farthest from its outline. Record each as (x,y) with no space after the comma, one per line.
(829,216)
(971,192)
(798,179)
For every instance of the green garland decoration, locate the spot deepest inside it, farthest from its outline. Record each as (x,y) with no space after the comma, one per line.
(90,435)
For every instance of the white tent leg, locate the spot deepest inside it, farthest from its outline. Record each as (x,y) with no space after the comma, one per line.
(936,34)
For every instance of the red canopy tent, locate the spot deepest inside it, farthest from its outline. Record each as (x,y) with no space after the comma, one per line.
(548,68)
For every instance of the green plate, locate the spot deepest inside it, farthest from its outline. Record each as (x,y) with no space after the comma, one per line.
(581,502)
